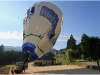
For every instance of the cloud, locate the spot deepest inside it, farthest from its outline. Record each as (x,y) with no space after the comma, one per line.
(62,38)
(19,36)
(11,35)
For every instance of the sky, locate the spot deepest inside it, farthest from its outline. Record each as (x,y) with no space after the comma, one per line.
(79,17)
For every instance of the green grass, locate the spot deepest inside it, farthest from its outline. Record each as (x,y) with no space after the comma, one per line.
(76,63)
(59,59)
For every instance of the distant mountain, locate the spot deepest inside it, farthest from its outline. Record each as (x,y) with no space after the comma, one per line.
(17,48)
(52,50)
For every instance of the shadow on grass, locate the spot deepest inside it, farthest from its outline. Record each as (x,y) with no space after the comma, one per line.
(72,71)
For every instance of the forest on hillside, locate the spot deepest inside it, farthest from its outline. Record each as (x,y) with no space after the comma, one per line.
(8,57)
(11,56)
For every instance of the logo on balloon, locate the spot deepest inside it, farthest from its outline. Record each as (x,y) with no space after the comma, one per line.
(52,17)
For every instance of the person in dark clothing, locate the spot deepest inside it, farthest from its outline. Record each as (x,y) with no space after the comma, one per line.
(25,56)
(23,68)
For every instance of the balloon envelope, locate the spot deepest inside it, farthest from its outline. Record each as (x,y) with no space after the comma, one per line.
(42,25)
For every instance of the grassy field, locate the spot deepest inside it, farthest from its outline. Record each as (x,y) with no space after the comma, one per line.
(60,59)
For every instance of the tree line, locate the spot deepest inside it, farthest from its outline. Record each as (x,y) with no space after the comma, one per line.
(8,57)
(11,56)
(88,48)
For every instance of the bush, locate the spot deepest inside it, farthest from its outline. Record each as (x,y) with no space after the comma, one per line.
(82,56)
(58,64)
(70,56)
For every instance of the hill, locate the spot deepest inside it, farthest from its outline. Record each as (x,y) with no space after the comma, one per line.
(17,48)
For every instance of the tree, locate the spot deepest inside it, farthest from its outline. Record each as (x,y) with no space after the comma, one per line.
(94,50)
(69,55)
(63,50)
(91,47)
(1,48)
(8,57)
(79,51)
(1,52)
(71,43)
(49,53)
(85,45)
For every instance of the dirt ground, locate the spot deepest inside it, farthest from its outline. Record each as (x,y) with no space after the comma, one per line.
(4,70)
(60,69)
(53,70)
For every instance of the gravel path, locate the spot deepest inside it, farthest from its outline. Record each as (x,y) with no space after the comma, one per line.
(60,69)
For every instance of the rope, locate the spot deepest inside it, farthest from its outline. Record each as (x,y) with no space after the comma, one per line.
(39,36)
(40,49)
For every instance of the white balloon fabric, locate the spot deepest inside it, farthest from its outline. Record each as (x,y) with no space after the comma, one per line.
(42,25)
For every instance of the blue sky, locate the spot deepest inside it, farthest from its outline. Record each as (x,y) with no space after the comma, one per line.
(79,17)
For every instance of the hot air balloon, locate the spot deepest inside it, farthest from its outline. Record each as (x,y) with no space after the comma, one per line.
(42,25)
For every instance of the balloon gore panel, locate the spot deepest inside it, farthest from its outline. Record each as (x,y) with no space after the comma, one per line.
(29,47)
(52,17)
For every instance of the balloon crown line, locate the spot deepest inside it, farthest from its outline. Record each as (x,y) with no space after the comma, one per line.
(39,36)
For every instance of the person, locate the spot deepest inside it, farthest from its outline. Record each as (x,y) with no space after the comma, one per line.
(23,68)
(25,56)
(19,69)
